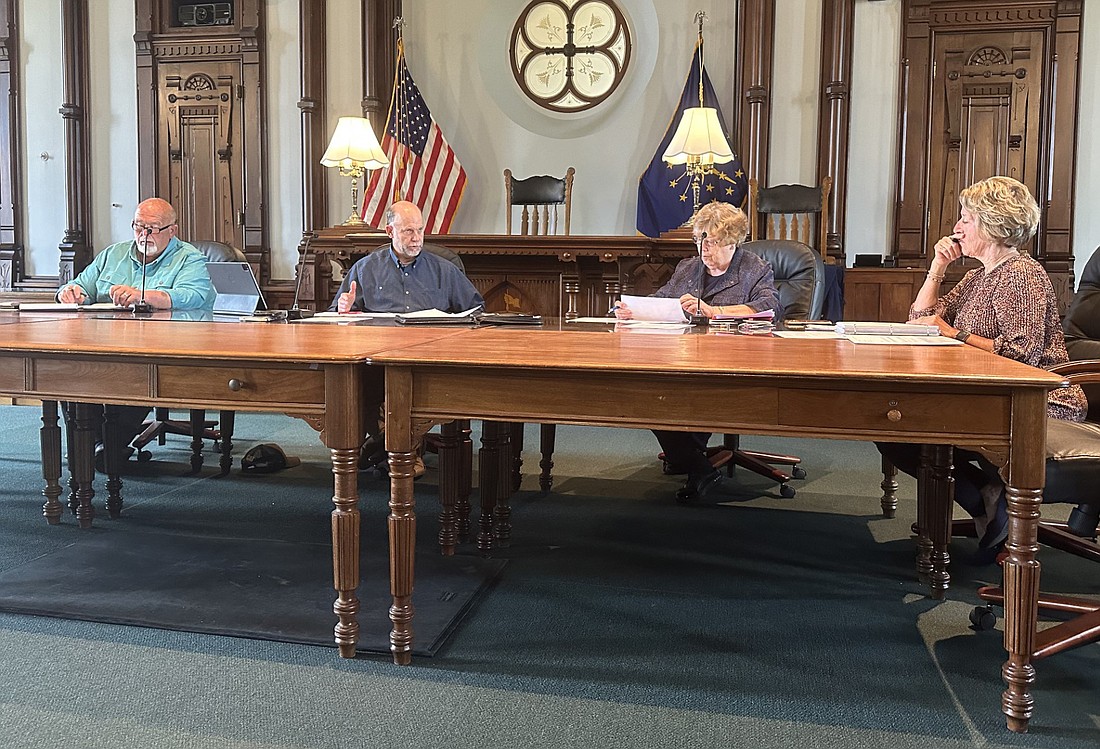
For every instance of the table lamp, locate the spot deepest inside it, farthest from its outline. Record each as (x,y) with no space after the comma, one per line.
(698,142)
(354,149)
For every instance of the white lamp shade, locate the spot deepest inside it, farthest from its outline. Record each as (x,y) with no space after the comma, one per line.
(698,138)
(353,145)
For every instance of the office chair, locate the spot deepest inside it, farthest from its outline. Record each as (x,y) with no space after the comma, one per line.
(792,212)
(800,280)
(197,426)
(1072,473)
(538,199)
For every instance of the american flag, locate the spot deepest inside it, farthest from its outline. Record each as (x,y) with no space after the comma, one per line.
(423,169)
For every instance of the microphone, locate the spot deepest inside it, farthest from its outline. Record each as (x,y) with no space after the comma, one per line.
(294,313)
(142,307)
(699,318)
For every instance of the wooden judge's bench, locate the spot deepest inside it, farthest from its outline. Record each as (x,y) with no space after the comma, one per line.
(578,275)
(555,276)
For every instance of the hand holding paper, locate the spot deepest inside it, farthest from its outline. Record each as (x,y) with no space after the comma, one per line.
(651,309)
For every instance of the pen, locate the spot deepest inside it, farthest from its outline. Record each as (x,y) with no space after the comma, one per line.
(614,307)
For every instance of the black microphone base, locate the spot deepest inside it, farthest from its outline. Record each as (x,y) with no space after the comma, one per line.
(701,320)
(299,314)
(143,308)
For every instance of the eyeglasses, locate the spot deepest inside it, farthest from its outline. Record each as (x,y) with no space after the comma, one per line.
(143,229)
(708,242)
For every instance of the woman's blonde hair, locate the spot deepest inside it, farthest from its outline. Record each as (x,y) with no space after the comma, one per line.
(724,223)
(1005,210)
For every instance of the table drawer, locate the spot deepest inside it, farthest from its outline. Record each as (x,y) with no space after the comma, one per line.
(241,384)
(12,373)
(895,411)
(87,380)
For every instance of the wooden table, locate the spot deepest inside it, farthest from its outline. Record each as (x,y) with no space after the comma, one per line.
(937,396)
(313,371)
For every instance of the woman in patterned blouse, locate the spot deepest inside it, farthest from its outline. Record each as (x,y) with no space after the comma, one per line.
(1007,307)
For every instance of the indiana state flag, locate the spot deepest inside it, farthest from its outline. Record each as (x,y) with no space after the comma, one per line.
(665,199)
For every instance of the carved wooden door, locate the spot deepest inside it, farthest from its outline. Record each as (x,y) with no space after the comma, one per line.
(200,141)
(986,99)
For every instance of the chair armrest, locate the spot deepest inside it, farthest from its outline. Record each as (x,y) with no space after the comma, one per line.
(1082,372)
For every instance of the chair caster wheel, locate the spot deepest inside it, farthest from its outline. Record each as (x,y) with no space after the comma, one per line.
(798,472)
(786,491)
(144,456)
(983,619)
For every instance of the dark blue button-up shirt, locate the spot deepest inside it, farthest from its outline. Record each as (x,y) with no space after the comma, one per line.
(429,282)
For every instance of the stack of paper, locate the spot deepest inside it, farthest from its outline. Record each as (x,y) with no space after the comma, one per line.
(885,328)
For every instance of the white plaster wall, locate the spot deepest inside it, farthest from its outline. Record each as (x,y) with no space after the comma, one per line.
(283,132)
(457,54)
(344,73)
(112,114)
(872,150)
(43,134)
(796,79)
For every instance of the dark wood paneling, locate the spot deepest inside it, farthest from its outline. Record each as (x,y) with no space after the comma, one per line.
(76,252)
(1028,103)
(558,276)
(880,293)
(201,102)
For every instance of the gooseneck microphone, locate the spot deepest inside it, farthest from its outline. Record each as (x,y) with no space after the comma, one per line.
(142,307)
(294,313)
(699,318)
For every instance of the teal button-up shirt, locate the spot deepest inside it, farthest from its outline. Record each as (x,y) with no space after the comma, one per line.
(180,271)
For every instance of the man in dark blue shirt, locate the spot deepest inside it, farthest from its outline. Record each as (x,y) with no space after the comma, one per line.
(402,278)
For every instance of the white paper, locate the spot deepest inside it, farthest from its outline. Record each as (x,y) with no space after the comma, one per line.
(654,309)
(48,307)
(886,328)
(610,320)
(438,313)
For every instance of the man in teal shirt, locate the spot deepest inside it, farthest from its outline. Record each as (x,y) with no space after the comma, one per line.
(175,278)
(175,272)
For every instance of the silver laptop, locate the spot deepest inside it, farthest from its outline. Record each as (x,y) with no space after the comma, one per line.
(238,291)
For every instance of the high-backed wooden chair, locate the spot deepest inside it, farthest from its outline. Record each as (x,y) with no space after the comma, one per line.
(197,426)
(798,212)
(538,200)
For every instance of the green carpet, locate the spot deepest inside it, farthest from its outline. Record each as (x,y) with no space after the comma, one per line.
(621,619)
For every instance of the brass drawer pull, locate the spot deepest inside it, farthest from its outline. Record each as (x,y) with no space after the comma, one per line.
(235,385)
(893,415)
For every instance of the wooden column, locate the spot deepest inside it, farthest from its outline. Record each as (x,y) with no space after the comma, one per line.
(75,250)
(11,174)
(254,110)
(756,32)
(312,42)
(379,59)
(1056,245)
(146,21)
(833,129)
